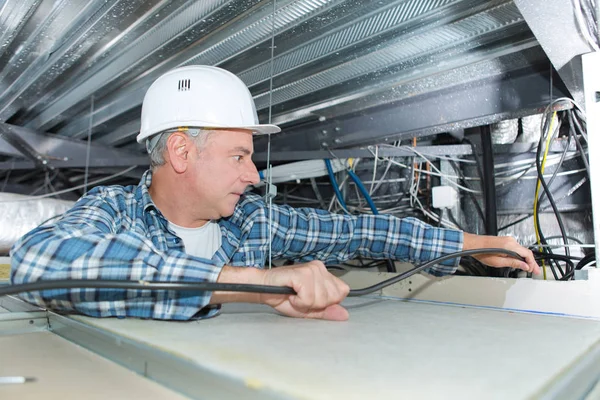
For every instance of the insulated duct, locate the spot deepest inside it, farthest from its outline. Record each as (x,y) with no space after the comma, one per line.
(505,132)
(20,214)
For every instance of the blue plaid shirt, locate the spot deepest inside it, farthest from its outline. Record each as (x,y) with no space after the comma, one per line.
(116,232)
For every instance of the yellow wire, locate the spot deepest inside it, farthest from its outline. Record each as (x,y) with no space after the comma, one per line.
(537,189)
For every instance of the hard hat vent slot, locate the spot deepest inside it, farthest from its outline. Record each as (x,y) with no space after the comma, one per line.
(184,84)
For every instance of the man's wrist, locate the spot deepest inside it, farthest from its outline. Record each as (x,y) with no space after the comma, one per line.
(243,275)
(472,241)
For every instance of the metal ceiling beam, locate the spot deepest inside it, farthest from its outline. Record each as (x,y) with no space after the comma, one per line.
(553,24)
(123,132)
(509,95)
(7,150)
(63,153)
(17,141)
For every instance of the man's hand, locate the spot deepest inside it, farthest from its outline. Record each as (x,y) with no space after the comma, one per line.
(472,242)
(319,293)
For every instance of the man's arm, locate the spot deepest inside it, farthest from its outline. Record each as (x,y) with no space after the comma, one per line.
(305,234)
(86,244)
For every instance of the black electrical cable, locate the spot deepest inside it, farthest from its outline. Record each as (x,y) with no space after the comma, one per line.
(336,267)
(571,238)
(570,265)
(142,285)
(540,254)
(429,264)
(441,216)
(554,209)
(454,221)
(580,121)
(553,264)
(573,133)
(227,287)
(586,260)
(476,157)
(514,222)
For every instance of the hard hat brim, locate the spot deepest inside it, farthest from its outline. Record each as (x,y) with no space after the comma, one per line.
(263,129)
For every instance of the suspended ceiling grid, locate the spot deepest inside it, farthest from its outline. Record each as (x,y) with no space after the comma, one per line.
(342,73)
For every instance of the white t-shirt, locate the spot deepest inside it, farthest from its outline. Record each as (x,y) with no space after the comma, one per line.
(200,242)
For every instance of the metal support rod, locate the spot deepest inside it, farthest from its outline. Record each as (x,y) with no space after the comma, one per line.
(489,186)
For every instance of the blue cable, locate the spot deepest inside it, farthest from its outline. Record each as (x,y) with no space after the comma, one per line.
(363,190)
(336,188)
(391,267)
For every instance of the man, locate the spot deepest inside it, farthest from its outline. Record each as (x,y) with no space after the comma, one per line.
(189,219)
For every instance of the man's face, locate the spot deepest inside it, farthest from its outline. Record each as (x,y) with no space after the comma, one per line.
(222,171)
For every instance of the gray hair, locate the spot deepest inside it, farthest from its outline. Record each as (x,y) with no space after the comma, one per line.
(157,155)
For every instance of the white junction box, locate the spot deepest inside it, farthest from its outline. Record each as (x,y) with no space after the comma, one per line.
(444,197)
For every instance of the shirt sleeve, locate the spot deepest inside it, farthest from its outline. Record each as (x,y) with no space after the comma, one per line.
(307,234)
(87,243)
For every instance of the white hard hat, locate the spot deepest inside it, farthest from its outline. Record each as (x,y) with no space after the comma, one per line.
(199,96)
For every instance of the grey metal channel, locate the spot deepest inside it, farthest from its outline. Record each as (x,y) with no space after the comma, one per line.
(21,317)
(577,380)
(173,372)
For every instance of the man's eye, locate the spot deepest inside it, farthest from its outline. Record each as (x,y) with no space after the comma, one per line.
(238,158)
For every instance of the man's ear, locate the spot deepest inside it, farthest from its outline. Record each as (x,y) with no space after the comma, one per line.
(178,147)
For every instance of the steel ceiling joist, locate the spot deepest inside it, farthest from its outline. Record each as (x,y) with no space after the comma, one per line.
(503,94)
(56,152)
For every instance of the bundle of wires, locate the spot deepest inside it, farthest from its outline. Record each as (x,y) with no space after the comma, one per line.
(550,130)
(410,176)
(586,15)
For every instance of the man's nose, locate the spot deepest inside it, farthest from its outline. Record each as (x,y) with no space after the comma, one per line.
(251,176)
